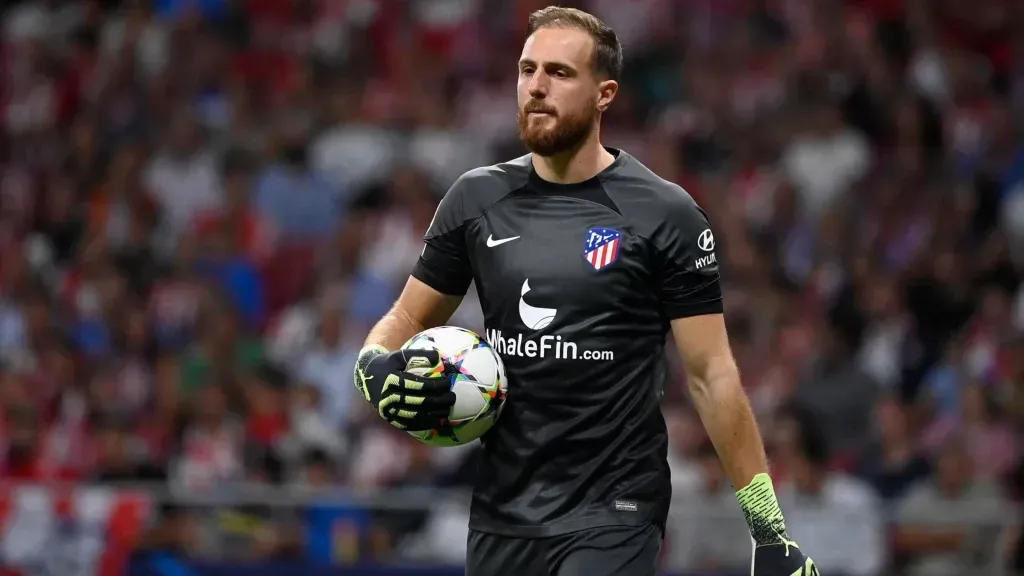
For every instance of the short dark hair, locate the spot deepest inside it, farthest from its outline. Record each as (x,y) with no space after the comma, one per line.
(607,50)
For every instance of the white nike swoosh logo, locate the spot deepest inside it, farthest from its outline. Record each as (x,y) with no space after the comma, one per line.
(491,242)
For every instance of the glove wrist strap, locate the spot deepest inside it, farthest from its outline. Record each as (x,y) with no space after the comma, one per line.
(762,511)
(367,354)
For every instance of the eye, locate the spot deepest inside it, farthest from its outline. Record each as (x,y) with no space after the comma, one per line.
(526,70)
(561,74)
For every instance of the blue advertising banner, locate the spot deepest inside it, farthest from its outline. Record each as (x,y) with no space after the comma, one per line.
(166,565)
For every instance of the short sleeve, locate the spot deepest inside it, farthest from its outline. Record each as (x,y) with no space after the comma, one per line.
(444,263)
(687,265)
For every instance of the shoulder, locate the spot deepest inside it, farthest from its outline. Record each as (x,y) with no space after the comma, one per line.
(479,188)
(635,177)
(476,191)
(651,204)
(493,180)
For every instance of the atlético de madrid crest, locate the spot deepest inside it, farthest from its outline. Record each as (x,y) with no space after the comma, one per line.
(601,247)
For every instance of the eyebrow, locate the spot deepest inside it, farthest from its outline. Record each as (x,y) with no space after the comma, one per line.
(547,65)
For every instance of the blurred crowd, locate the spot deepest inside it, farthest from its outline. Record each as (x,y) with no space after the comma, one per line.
(205,205)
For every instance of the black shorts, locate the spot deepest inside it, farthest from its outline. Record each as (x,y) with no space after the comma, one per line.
(602,551)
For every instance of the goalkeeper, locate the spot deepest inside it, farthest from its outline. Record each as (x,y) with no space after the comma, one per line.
(581,245)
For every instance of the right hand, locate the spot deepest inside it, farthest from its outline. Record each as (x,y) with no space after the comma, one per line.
(409,388)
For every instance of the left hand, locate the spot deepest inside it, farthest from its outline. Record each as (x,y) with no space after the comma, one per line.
(775,554)
(783,559)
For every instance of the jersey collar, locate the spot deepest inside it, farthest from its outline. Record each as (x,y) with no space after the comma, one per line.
(539,183)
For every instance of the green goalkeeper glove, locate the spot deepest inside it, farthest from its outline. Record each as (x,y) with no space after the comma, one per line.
(774,553)
(409,388)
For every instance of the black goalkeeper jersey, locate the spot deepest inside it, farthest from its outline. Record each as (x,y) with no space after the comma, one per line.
(578,283)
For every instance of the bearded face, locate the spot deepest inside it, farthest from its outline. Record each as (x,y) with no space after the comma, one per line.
(546,131)
(559,91)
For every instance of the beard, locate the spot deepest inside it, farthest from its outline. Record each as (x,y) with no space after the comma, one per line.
(568,131)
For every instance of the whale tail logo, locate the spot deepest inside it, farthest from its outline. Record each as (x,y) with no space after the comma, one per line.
(533,317)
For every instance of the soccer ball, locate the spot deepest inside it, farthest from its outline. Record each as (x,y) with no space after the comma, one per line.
(477,378)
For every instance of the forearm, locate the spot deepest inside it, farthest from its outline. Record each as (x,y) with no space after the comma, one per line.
(418,307)
(393,330)
(388,335)
(718,396)
(725,412)
(729,421)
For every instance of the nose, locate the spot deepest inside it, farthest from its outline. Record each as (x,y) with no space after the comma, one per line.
(538,86)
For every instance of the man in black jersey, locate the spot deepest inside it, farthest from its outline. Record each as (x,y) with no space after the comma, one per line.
(583,260)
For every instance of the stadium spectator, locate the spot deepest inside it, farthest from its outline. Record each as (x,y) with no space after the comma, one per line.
(183,177)
(334,349)
(704,536)
(951,523)
(989,437)
(893,462)
(838,514)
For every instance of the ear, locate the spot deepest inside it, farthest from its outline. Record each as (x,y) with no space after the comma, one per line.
(606,91)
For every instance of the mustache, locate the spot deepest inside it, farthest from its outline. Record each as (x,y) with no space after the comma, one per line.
(534,106)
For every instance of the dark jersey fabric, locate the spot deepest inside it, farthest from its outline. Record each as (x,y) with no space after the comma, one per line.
(600,551)
(578,283)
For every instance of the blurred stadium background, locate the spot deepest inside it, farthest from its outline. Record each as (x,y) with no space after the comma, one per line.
(205,205)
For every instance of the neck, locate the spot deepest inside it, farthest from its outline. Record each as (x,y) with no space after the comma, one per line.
(576,165)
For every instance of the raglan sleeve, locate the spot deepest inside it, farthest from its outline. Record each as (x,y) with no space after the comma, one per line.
(444,262)
(685,259)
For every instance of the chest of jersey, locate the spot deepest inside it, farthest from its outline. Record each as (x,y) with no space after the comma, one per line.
(560,266)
